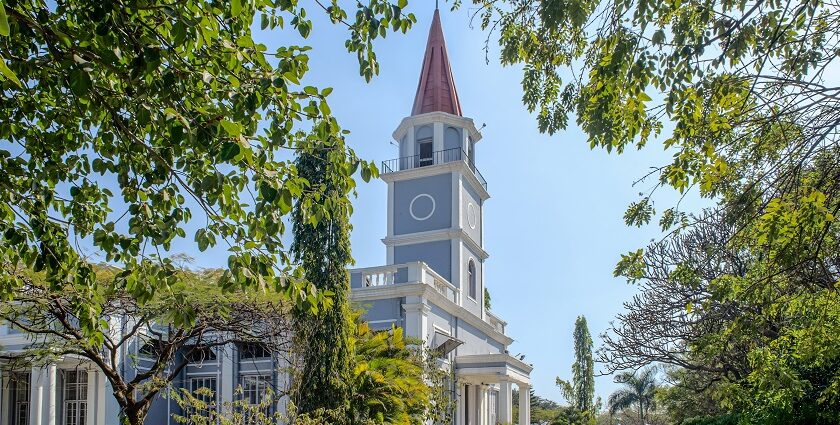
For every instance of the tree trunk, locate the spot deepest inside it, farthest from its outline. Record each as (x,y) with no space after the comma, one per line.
(134,415)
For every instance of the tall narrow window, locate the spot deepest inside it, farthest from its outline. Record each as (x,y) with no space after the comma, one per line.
(19,398)
(467,404)
(255,393)
(472,154)
(426,153)
(74,393)
(204,389)
(472,279)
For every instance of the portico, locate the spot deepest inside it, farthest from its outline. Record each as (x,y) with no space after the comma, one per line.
(486,382)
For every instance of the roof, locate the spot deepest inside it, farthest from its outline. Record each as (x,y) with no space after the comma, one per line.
(436,89)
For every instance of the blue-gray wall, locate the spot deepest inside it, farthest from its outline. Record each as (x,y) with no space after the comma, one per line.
(475,341)
(438,187)
(437,255)
(472,304)
(470,196)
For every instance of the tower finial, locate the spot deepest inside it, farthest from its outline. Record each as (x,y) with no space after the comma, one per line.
(436,4)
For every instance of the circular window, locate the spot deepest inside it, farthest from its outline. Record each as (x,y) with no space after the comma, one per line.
(422,207)
(471,215)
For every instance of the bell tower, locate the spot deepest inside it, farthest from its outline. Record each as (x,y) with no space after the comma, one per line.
(436,194)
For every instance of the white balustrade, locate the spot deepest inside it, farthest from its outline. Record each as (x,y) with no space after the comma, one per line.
(378,276)
(419,272)
(495,321)
(416,272)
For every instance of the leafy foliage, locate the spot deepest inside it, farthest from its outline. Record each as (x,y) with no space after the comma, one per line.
(747,305)
(127,119)
(580,393)
(743,295)
(322,247)
(639,393)
(218,318)
(393,381)
(201,408)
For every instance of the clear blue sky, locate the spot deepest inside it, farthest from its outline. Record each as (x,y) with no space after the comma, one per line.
(553,226)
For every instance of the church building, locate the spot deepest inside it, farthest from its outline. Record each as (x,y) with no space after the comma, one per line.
(433,282)
(432,286)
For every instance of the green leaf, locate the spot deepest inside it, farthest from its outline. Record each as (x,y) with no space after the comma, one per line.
(4,21)
(231,128)
(80,82)
(229,151)
(8,74)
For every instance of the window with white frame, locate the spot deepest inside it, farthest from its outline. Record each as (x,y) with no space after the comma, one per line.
(19,398)
(205,382)
(254,387)
(251,350)
(203,388)
(472,279)
(74,395)
(200,355)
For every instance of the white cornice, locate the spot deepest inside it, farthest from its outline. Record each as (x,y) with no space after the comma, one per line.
(419,289)
(437,235)
(433,170)
(499,374)
(494,358)
(16,339)
(433,117)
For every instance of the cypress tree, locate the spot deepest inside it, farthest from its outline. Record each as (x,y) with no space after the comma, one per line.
(583,370)
(321,227)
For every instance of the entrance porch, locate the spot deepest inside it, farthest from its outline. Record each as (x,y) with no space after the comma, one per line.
(485,393)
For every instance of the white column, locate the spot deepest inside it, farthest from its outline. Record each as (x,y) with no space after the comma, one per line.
(227,380)
(101,394)
(524,404)
(437,142)
(416,320)
(3,401)
(390,219)
(481,403)
(36,382)
(92,393)
(459,406)
(505,402)
(411,142)
(50,395)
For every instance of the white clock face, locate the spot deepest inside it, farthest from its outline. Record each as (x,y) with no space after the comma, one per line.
(422,207)
(472,216)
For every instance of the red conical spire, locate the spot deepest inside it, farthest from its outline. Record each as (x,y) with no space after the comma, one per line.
(436,89)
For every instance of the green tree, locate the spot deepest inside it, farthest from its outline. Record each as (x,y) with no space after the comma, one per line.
(321,226)
(743,94)
(392,381)
(126,119)
(580,393)
(219,318)
(639,392)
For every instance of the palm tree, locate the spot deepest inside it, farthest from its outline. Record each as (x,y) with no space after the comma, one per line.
(638,391)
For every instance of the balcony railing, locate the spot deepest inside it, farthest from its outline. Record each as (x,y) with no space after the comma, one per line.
(436,158)
(495,321)
(415,272)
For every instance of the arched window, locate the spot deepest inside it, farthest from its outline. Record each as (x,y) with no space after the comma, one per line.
(472,279)
(452,141)
(424,148)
